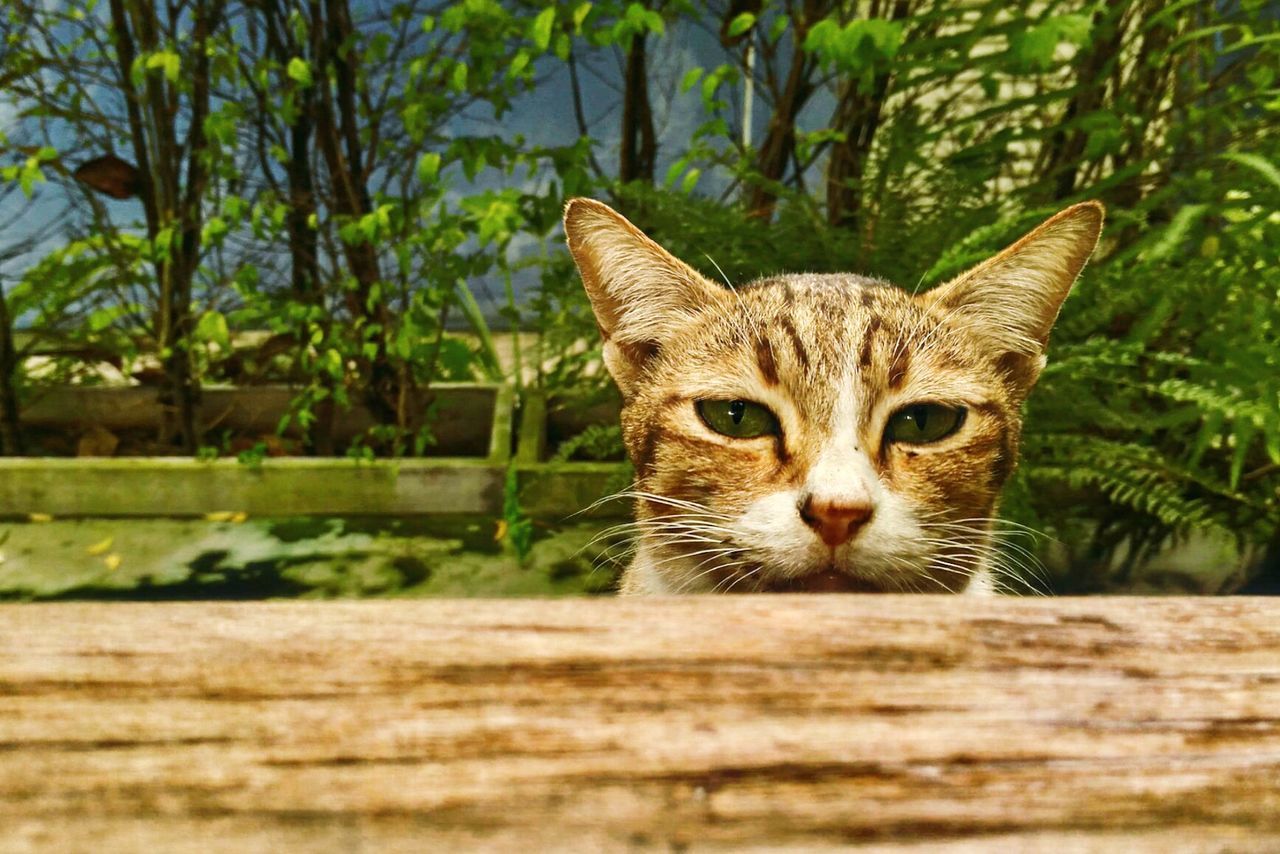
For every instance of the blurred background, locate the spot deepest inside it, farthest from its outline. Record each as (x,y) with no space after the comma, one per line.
(312,249)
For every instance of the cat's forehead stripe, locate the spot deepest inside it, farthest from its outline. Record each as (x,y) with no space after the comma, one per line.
(764,357)
(797,345)
(899,366)
(800,335)
(868,341)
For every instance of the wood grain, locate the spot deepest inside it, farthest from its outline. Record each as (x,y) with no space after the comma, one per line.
(732,723)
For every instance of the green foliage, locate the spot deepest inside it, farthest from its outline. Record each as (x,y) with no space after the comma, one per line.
(598,442)
(904,140)
(1159,415)
(516,529)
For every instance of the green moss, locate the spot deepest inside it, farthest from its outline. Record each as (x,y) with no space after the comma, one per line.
(311,557)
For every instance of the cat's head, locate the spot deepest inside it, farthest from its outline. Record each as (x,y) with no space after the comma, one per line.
(820,432)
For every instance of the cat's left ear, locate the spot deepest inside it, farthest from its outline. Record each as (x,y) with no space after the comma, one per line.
(640,292)
(1013,299)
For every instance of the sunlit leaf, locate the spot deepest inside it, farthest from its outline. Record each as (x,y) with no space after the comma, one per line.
(299,71)
(741,24)
(541,29)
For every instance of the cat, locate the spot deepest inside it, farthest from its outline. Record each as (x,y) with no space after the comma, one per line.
(814,433)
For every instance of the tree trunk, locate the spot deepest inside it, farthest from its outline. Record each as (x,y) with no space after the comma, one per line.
(1065,153)
(857,115)
(639,143)
(167,200)
(11,444)
(1146,89)
(338,138)
(778,148)
(304,264)
(178,367)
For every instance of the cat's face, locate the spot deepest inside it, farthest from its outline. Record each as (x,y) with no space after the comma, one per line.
(811,432)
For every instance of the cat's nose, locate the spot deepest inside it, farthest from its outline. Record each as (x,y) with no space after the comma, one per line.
(836,522)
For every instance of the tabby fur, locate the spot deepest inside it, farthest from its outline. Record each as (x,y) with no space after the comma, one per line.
(833,357)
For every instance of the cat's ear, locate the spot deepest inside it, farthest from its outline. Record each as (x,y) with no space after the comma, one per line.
(1013,298)
(640,292)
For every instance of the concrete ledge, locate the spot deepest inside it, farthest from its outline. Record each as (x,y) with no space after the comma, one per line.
(280,487)
(294,486)
(555,490)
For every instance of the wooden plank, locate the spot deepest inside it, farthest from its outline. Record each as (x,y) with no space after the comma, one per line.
(732,723)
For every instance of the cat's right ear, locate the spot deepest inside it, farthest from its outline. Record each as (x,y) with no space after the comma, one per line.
(1012,300)
(640,292)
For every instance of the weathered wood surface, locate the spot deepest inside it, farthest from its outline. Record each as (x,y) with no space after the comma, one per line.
(905,723)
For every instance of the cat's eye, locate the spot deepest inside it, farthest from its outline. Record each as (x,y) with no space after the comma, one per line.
(921,423)
(740,419)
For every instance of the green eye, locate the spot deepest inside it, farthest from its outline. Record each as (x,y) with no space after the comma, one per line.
(921,423)
(740,419)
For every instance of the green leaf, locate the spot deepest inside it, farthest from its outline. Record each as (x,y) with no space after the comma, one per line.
(690,180)
(673,172)
(28,179)
(458,80)
(637,19)
(1105,133)
(138,71)
(214,229)
(488,354)
(541,31)
(169,63)
(332,363)
(709,87)
(102,318)
(821,35)
(885,37)
(518,64)
(1073,28)
(1035,47)
(163,244)
(1173,235)
(580,15)
(778,27)
(428,167)
(1244,433)
(299,71)
(212,327)
(690,79)
(1256,162)
(741,24)
(561,46)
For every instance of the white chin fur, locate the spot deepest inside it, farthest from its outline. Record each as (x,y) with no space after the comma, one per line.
(643,578)
(886,550)
(980,584)
(884,553)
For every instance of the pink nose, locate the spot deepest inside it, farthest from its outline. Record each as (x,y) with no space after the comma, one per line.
(836,522)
